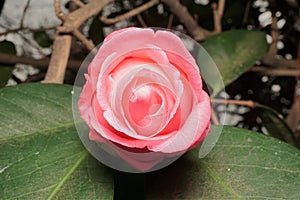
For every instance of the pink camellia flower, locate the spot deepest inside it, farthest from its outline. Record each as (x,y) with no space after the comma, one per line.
(143,97)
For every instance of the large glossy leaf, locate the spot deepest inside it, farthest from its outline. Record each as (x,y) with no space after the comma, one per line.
(233,52)
(41,157)
(243,165)
(40,153)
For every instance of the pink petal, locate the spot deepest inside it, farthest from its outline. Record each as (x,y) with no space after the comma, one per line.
(191,131)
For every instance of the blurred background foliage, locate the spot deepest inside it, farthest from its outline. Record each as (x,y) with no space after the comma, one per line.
(27,31)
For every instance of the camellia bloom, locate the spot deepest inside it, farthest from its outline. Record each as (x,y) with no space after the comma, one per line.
(143,97)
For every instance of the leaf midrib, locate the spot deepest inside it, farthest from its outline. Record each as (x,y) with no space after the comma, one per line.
(69,172)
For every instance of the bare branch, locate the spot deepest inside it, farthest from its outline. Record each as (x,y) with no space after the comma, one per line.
(26,29)
(293,118)
(218,11)
(59,59)
(191,25)
(24,12)
(78,3)
(275,72)
(170,21)
(214,118)
(59,13)
(129,14)
(88,43)
(246,14)
(273,61)
(186,18)
(62,42)
(44,62)
(142,21)
(274,34)
(247,103)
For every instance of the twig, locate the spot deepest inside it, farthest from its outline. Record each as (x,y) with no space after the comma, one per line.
(24,12)
(274,34)
(186,18)
(218,11)
(141,20)
(247,103)
(214,117)
(275,72)
(293,118)
(272,61)
(129,14)
(26,29)
(59,13)
(270,58)
(170,21)
(78,3)
(191,25)
(35,78)
(44,62)
(88,43)
(246,13)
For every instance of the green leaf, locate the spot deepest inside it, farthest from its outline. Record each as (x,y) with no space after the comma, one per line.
(6,69)
(233,52)
(242,165)
(276,124)
(41,155)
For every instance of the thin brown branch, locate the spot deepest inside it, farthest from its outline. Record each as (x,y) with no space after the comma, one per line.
(59,13)
(214,118)
(75,19)
(141,20)
(26,29)
(270,58)
(293,118)
(186,18)
(190,23)
(35,78)
(129,14)
(24,12)
(44,62)
(218,10)
(78,3)
(88,43)
(275,35)
(275,72)
(170,21)
(273,61)
(247,103)
(246,13)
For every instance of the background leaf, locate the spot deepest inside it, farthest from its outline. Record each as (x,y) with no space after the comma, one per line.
(233,52)
(42,38)
(275,124)
(41,154)
(242,165)
(6,69)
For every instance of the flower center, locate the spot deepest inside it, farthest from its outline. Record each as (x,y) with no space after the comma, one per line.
(145,103)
